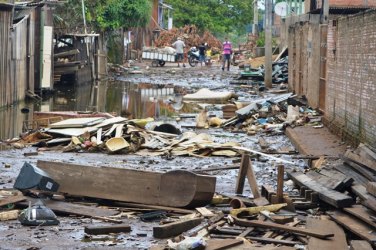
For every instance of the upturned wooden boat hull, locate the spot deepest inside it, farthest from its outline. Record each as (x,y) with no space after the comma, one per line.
(177,188)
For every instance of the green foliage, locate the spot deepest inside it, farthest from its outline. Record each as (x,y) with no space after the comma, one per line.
(218,16)
(104,15)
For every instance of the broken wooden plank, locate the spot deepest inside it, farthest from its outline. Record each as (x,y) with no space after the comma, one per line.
(175,188)
(244,165)
(256,210)
(220,244)
(124,228)
(361,229)
(350,172)
(205,212)
(9,215)
(370,176)
(246,170)
(338,241)
(72,209)
(371,188)
(274,226)
(366,199)
(327,181)
(273,241)
(26,154)
(361,213)
(331,197)
(335,174)
(211,224)
(246,232)
(11,200)
(362,161)
(280,176)
(360,245)
(154,207)
(215,169)
(175,228)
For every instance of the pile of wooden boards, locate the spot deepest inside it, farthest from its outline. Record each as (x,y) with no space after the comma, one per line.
(191,37)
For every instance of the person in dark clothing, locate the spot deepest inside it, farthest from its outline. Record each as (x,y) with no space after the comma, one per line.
(202,50)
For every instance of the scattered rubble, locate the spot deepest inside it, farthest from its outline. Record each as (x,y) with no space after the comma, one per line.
(314,203)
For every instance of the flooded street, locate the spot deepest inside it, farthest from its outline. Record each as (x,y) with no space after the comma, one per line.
(157,93)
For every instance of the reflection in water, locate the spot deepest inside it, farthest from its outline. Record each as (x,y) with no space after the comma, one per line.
(121,98)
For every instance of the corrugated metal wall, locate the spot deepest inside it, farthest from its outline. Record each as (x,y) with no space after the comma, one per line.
(5,56)
(16,57)
(19,69)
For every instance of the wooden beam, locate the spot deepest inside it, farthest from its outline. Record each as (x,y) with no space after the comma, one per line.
(252,181)
(67,53)
(177,188)
(354,225)
(175,228)
(360,245)
(246,170)
(361,213)
(154,207)
(124,228)
(274,226)
(11,200)
(205,212)
(331,197)
(371,188)
(219,244)
(338,241)
(73,209)
(244,165)
(281,173)
(273,241)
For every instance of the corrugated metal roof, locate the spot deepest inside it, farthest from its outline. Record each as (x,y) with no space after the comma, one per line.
(343,10)
(6,6)
(22,11)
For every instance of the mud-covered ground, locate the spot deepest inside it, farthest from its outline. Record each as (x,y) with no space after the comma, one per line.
(69,234)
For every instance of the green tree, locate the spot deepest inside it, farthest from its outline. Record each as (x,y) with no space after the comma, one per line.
(218,16)
(105,15)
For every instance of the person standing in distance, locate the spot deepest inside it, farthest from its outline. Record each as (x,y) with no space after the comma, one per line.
(202,50)
(227,51)
(179,46)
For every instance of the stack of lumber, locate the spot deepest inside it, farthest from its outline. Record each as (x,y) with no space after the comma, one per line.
(229,111)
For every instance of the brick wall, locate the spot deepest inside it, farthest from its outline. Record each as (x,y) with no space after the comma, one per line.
(351,84)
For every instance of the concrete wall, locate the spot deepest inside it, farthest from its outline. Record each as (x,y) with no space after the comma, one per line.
(351,88)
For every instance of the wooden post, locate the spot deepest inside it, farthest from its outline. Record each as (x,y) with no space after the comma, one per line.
(281,170)
(244,165)
(246,170)
(252,181)
(268,44)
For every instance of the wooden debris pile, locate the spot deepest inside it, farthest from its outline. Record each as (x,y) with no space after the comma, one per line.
(122,136)
(328,202)
(191,37)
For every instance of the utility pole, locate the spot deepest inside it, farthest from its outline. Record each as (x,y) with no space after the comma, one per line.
(255,18)
(268,44)
(324,18)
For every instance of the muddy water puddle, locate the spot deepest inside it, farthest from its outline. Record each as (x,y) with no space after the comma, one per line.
(160,101)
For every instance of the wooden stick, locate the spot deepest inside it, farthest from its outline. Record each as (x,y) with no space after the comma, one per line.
(281,170)
(249,223)
(107,229)
(175,228)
